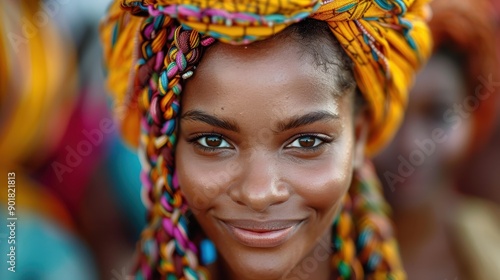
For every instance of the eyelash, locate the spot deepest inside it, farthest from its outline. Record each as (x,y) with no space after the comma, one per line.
(324,140)
(195,138)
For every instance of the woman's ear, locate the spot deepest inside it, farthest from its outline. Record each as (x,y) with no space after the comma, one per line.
(361,129)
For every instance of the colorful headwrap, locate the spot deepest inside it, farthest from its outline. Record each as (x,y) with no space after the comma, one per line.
(152,46)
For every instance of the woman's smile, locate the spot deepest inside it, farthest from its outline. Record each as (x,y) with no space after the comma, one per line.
(261,234)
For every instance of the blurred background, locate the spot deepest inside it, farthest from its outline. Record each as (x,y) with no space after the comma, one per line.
(77,184)
(441,173)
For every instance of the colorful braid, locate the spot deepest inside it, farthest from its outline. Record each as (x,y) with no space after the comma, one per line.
(169,52)
(362,237)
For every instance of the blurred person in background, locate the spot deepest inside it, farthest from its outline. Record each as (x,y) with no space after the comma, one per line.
(56,134)
(481,173)
(451,113)
(38,81)
(110,211)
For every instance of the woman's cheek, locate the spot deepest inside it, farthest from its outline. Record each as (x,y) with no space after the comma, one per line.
(201,182)
(322,184)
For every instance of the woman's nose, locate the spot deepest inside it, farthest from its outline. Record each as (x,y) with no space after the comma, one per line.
(259,185)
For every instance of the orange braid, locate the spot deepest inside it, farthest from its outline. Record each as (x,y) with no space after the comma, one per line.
(364,220)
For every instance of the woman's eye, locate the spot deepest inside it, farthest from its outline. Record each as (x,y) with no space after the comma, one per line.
(306,142)
(213,141)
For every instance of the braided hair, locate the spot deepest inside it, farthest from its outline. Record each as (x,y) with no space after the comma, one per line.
(168,53)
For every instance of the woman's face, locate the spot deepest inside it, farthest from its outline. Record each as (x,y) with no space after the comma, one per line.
(266,151)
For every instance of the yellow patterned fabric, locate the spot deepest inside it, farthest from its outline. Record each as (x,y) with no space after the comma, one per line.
(243,13)
(367,31)
(387,40)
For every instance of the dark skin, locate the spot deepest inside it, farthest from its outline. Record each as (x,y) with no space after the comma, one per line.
(266,142)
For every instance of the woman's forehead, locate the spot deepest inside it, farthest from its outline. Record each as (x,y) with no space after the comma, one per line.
(262,54)
(276,75)
(276,62)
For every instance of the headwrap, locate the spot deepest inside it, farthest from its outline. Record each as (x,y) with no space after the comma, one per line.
(387,40)
(151,46)
(468,27)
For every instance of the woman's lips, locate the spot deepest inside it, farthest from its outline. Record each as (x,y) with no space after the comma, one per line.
(261,234)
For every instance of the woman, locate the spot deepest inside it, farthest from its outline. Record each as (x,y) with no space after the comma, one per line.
(482,177)
(271,130)
(444,234)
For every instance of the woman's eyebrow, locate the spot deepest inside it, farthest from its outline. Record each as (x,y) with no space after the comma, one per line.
(306,119)
(197,115)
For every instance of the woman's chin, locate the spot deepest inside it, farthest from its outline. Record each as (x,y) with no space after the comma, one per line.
(260,267)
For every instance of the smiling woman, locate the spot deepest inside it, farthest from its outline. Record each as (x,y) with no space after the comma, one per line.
(285,188)
(266,157)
